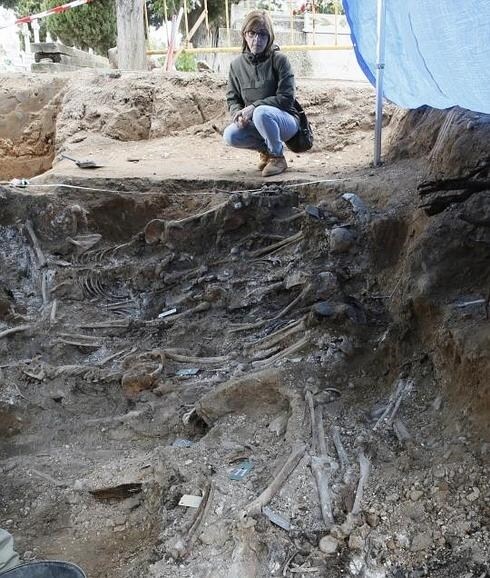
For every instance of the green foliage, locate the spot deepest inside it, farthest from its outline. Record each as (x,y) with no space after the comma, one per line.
(270,5)
(90,26)
(186,63)
(8,4)
(330,6)
(321,7)
(216,9)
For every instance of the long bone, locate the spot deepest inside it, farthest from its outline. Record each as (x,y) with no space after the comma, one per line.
(192,359)
(323,468)
(282,313)
(279,245)
(41,259)
(255,507)
(278,336)
(183,544)
(344,460)
(403,387)
(364,466)
(157,230)
(13,330)
(294,348)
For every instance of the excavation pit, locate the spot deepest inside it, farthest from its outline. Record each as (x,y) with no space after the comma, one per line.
(168,318)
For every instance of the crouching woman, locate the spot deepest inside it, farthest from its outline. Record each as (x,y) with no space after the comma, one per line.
(260,96)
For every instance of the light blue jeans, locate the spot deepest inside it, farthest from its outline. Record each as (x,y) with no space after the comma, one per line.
(269,128)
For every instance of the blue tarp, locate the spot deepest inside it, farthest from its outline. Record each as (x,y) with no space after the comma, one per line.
(437,52)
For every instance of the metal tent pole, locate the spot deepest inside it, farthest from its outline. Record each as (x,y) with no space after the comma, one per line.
(380,65)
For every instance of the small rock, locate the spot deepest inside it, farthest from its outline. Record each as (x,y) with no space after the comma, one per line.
(460,528)
(78,485)
(356,542)
(314,212)
(421,542)
(372,519)
(437,403)
(72,498)
(323,309)
(402,540)
(121,528)
(439,471)
(349,525)
(341,239)
(327,285)
(215,534)
(392,498)
(279,424)
(390,544)
(329,545)
(344,344)
(415,511)
(474,495)
(337,532)
(416,495)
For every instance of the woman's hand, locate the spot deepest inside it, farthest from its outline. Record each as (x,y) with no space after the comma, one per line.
(244,116)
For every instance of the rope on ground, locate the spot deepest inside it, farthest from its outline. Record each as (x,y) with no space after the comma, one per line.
(99,190)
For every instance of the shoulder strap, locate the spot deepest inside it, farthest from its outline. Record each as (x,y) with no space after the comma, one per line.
(273,60)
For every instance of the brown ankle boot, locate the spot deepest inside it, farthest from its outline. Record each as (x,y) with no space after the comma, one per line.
(275,166)
(263,160)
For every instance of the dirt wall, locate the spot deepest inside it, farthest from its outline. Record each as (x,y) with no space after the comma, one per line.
(28,110)
(454,140)
(56,112)
(445,274)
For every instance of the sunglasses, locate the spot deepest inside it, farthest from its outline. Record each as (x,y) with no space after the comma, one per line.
(256,33)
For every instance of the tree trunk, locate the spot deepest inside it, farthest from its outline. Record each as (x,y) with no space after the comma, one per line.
(131,50)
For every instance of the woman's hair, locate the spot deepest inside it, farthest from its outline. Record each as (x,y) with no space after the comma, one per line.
(257,19)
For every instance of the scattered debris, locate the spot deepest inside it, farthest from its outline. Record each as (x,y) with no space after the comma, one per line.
(190,501)
(241,470)
(276,519)
(189,372)
(182,443)
(119,492)
(164,314)
(358,207)
(315,212)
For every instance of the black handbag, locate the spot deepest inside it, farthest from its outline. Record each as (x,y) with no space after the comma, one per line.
(302,141)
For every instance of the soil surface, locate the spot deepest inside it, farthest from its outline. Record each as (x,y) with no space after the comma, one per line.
(306,357)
